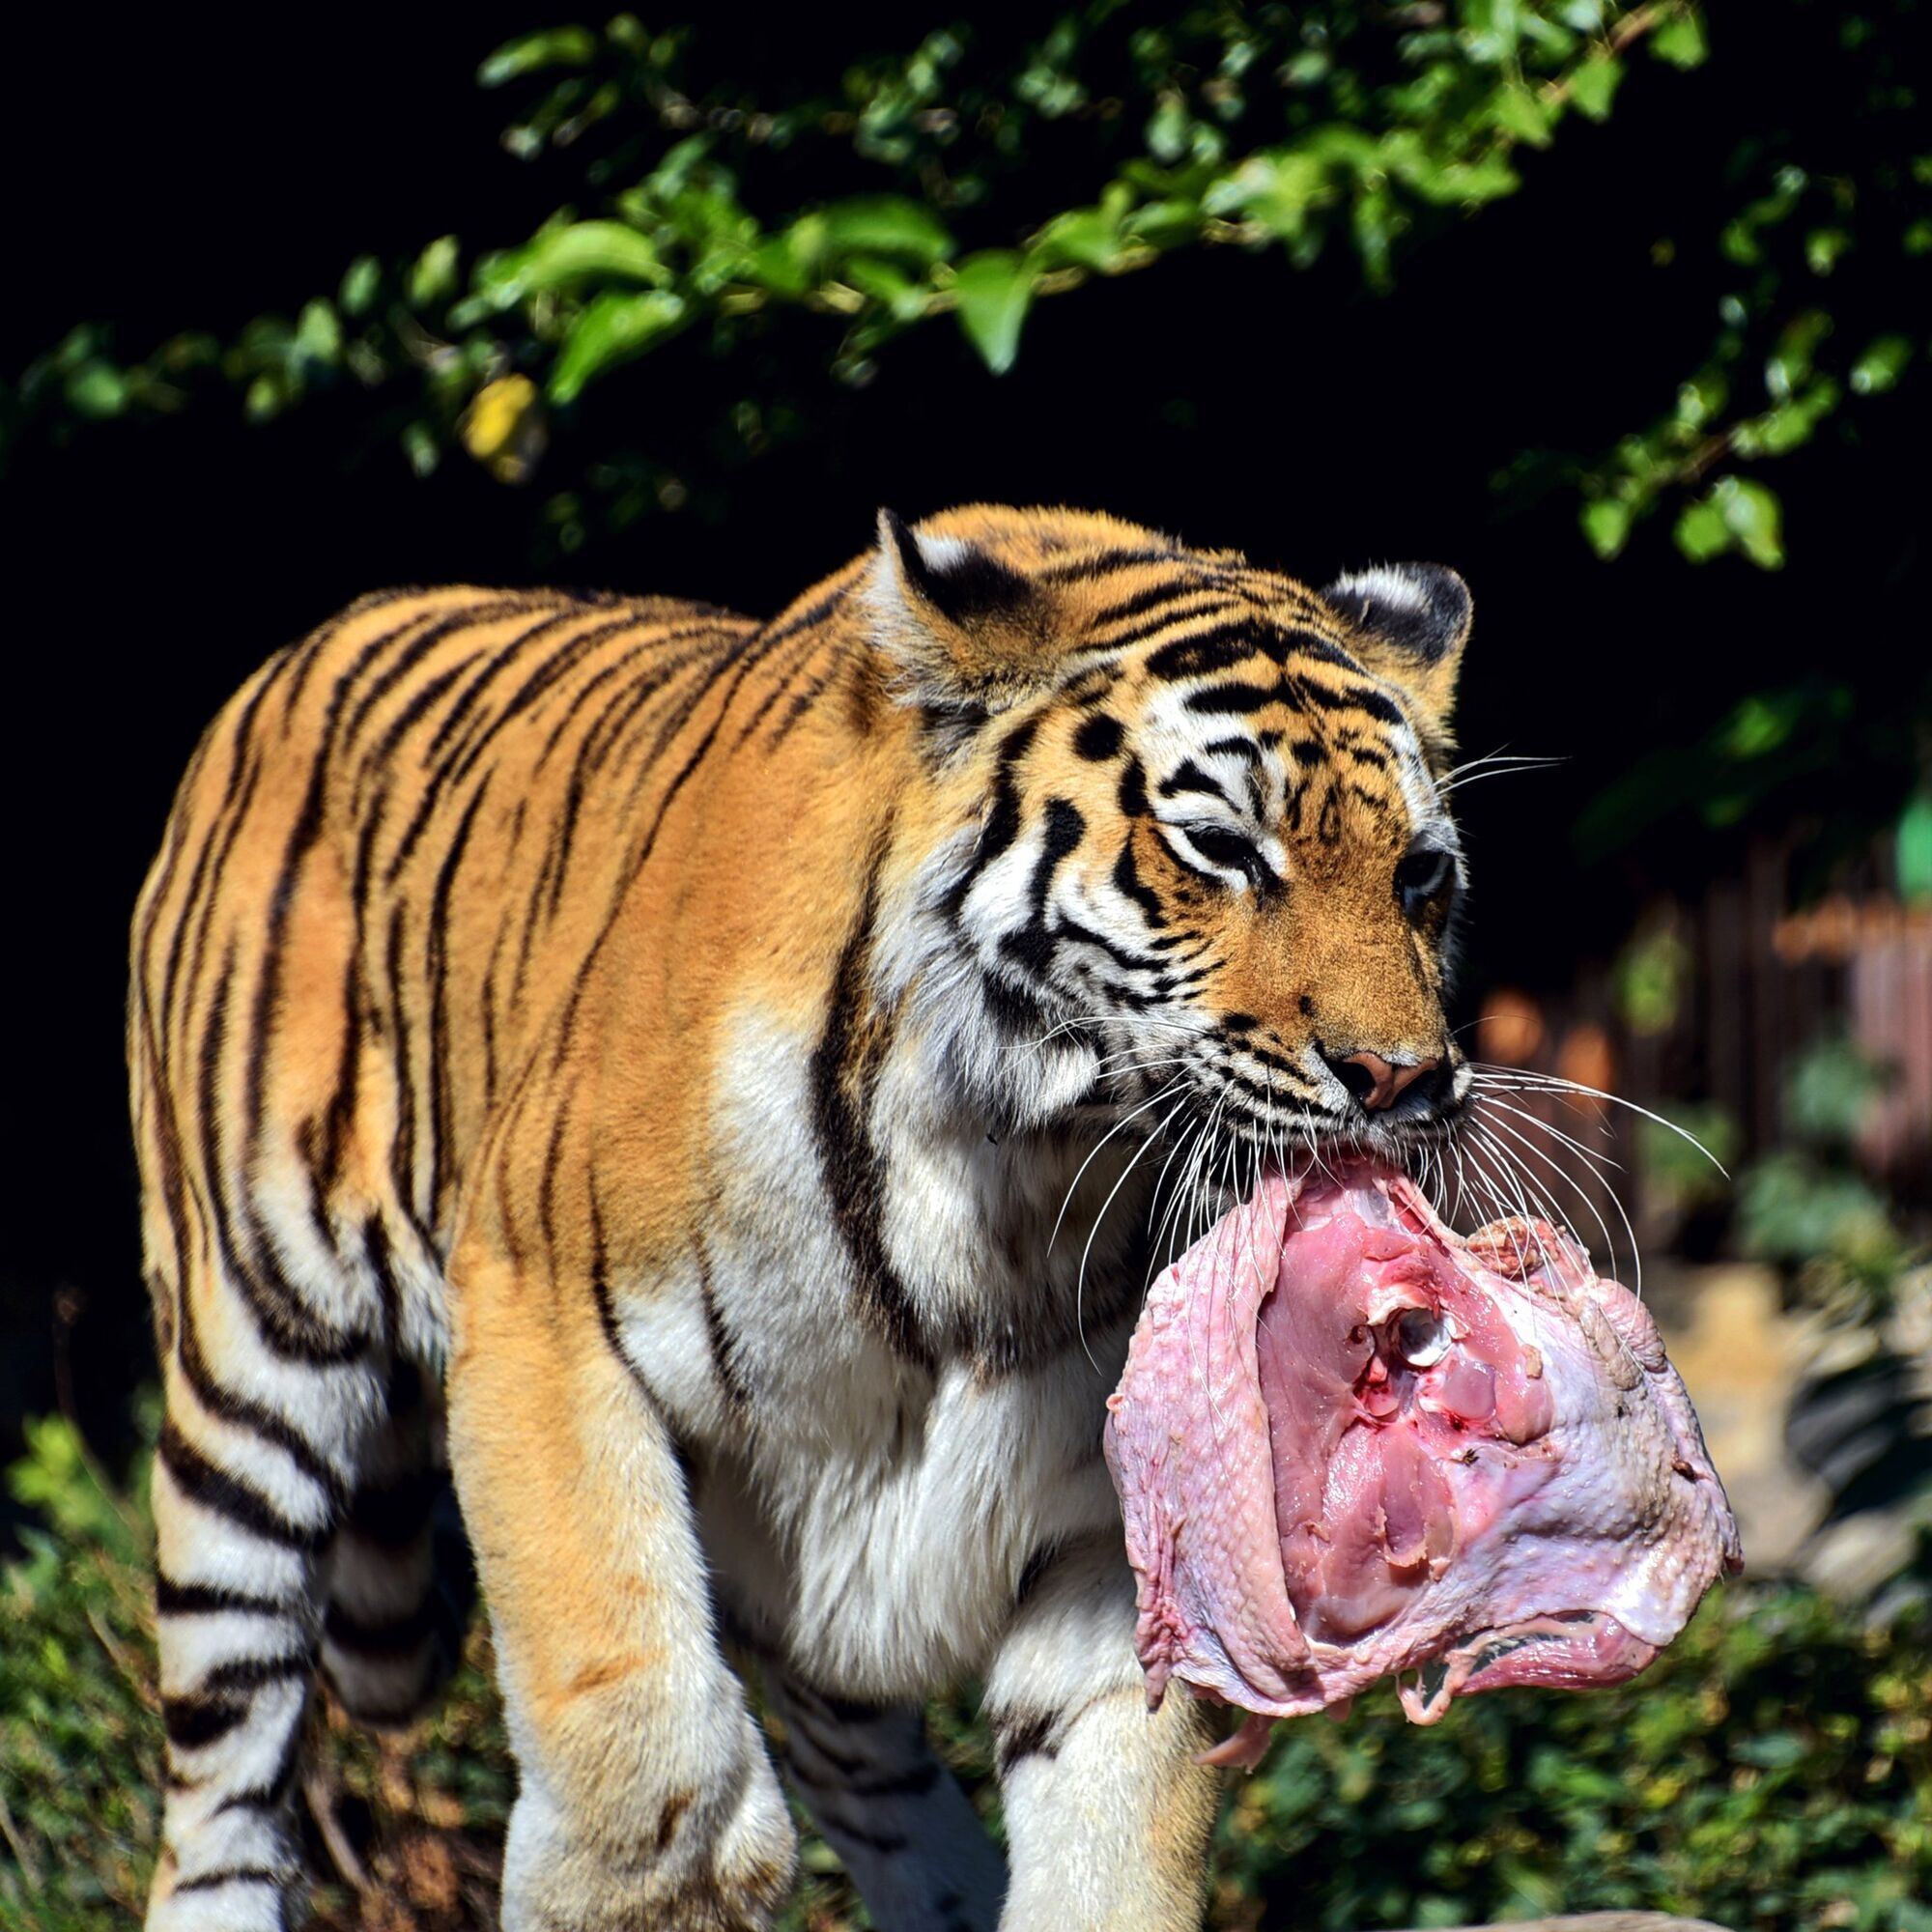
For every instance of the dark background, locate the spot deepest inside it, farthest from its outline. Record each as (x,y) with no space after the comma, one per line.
(174,176)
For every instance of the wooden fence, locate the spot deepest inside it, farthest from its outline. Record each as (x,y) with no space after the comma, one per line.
(1708,1013)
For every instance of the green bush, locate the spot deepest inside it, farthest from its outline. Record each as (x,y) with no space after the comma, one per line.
(1773,1770)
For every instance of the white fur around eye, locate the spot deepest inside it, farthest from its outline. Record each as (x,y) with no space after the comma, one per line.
(1190,848)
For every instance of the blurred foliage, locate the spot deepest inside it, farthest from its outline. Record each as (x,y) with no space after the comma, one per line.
(1810,1209)
(1651,979)
(1773,1769)
(1844,755)
(1832,217)
(1860,1419)
(973,177)
(1684,1156)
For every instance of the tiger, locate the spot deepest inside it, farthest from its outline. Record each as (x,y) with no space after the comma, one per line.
(710,1095)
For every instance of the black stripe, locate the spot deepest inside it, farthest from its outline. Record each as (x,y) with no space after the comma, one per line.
(213,1488)
(1128,882)
(442,624)
(470,747)
(1098,737)
(193,1721)
(272,1795)
(1221,700)
(309,651)
(844,1065)
(232,1875)
(205,858)
(395,1514)
(723,1344)
(1300,641)
(242,1412)
(1141,602)
(800,704)
(600,1291)
(1011,1009)
(583,694)
(1034,1568)
(1031,944)
(1187,776)
(196,920)
(396,1637)
(1204,653)
(442,1103)
(1354,697)
(255,1673)
(1233,748)
(187,1600)
(1101,562)
(494,667)
(290,1328)
(1024,1734)
(741,665)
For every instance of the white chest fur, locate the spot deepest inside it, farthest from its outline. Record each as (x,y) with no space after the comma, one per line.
(874,1491)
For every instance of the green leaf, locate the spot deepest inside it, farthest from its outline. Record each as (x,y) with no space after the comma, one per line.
(885,224)
(361,281)
(1913,855)
(571,256)
(1275,189)
(613,329)
(1519,112)
(1824,248)
(993,289)
(532,53)
(1593,85)
(1084,238)
(319,333)
(432,276)
(420,447)
(1169,128)
(1754,515)
(263,399)
(1468,183)
(1775,1751)
(1606,524)
(1797,347)
(1701,533)
(1681,39)
(1881,367)
(97,390)
(886,282)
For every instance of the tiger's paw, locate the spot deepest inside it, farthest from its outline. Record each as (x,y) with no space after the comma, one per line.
(721,1860)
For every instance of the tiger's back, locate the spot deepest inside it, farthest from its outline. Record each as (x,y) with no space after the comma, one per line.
(387,866)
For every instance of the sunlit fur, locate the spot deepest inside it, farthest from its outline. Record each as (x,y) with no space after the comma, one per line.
(711,1083)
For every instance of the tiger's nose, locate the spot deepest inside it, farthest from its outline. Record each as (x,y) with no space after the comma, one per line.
(1374,1080)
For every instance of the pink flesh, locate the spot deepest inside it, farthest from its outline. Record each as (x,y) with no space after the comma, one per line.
(1307,1510)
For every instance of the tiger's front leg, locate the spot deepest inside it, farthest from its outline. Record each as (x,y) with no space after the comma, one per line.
(1107,1815)
(645,1796)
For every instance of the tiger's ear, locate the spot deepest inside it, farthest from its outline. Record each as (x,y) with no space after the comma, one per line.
(965,630)
(1412,621)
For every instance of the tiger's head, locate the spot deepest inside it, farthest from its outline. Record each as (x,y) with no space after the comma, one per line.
(1201,858)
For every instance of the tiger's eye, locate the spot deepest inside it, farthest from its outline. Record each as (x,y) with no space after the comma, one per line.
(1423,875)
(1419,1337)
